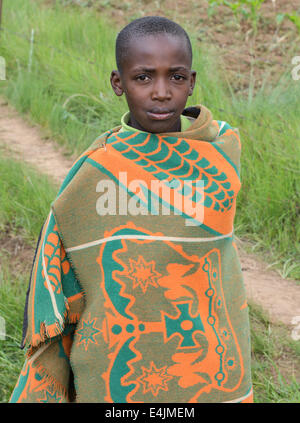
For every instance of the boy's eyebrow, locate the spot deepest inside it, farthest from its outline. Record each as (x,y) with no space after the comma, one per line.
(178,68)
(149,69)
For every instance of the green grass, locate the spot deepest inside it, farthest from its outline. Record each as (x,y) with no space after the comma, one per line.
(272,352)
(67,91)
(25,198)
(268,211)
(25,203)
(70,96)
(12,300)
(59,74)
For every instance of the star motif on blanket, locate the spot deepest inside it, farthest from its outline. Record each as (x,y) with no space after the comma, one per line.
(87,332)
(154,379)
(143,274)
(50,397)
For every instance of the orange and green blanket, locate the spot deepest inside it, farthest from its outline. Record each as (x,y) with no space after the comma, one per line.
(136,291)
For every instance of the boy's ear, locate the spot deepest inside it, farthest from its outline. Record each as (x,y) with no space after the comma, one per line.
(116,83)
(193,81)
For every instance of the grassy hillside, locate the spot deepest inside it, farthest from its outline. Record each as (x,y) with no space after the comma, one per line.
(62,80)
(25,202)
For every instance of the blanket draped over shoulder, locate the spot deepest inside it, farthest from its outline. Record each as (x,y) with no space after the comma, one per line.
(136,291)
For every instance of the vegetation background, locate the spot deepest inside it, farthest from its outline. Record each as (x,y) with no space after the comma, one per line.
(59,56)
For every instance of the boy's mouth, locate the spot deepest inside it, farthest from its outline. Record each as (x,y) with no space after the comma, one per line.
(160,114)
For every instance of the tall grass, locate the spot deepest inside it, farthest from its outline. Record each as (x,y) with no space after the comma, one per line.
(269,202)
(12,300)
(67,90)
(25,198)
(275,361)
(68,87)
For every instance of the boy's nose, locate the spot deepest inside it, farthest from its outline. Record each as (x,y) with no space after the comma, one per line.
(161,90)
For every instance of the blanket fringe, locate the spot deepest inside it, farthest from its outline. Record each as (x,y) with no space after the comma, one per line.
(74,317)
(57,386)
(46,334)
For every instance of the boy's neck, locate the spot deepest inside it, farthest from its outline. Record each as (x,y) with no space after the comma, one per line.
(185,122)
(134,124)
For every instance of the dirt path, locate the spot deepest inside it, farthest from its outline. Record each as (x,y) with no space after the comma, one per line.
(279,297)
(25,140)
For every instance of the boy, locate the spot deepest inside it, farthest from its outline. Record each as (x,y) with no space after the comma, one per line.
(127,304)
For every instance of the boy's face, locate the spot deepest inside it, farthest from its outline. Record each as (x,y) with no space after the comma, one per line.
(157,79)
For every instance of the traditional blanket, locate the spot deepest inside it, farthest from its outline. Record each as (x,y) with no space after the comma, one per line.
(136,290)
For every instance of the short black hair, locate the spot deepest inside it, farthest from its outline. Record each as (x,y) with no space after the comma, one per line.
(148,25)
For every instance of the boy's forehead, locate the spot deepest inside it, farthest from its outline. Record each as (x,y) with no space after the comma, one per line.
(160,48)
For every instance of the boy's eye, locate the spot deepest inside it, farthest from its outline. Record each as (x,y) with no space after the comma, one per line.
(178,77)
(142,78)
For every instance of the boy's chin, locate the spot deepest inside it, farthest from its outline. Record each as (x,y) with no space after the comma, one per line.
(161,127)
